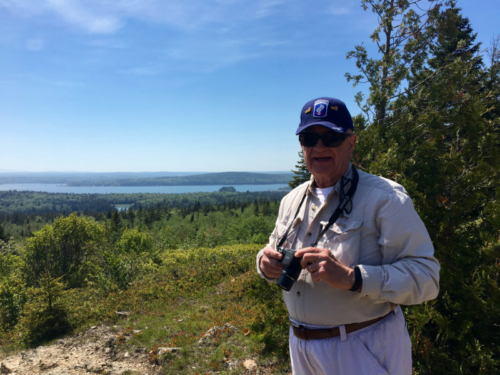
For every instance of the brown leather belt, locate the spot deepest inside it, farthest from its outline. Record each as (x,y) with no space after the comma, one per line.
(325,333)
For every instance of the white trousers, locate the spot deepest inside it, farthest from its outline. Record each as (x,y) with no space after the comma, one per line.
(384,348)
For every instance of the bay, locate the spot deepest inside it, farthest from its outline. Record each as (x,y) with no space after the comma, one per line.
(56,188)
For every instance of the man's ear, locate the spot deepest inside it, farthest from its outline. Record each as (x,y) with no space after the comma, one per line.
(352,142)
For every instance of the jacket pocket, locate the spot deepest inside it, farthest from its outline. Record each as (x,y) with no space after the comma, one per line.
(343,239)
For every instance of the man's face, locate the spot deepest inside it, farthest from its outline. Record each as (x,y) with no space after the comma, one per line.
(328,164)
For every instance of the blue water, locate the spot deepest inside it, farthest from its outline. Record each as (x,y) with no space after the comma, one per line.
(54,188)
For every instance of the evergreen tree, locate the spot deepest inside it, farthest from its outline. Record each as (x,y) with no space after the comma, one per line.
(302,174)
(131,216)
(3,235)
(266,207)
(440,140)
(455,37)
(116,222)
(402,42)
(256,208)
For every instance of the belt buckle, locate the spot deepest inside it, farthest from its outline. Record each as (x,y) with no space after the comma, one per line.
(300,327)
(302,330)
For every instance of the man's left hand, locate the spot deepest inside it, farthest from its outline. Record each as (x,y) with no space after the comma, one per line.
(322,265)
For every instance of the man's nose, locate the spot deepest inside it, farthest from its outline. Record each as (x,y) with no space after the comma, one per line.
(320,145)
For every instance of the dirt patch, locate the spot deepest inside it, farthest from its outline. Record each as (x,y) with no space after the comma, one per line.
(92,352)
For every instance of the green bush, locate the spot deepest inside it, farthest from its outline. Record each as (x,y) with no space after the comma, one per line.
(12,298)
(67,249)
(45,315)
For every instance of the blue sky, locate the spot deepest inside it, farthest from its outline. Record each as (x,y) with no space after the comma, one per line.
(163,85)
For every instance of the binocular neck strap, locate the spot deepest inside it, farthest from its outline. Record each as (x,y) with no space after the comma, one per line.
(345,200)
(283,238)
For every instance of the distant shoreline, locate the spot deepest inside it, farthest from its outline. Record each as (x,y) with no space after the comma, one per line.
(154,189)
(111,179)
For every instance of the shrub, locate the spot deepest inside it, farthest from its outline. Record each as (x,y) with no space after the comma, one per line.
(45,314)
(12,298)
(64,249)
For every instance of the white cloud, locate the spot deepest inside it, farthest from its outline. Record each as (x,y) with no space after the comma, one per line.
(266,8)
(72,12)
(195,35)
(35,45)
(109,16)
(90,17)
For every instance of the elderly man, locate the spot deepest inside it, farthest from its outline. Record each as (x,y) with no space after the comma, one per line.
(364,252)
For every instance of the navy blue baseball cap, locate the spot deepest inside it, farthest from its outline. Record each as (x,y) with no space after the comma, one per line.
(329,112)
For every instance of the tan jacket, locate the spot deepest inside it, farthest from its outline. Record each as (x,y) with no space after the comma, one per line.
(383,234)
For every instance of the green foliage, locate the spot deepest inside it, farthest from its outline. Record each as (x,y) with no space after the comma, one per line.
(64,249)
(135,242)
(271,325)
(12,298)
(12,289)
(455,37)
(9,258)
(402,43)
(119,264)
(230,189)
(301,173)
(206,286)
(3,236)
(15,205)
(439,139)
(45,314)
(137,253)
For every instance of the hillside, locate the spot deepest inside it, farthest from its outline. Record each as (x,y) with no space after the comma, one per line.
(147,179)
(223,178)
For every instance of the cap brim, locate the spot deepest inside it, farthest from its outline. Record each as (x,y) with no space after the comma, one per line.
(329,125)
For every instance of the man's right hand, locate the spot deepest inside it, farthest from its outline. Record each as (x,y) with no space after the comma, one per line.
(270,263)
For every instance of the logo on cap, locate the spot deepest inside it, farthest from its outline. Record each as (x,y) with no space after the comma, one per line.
(320,108)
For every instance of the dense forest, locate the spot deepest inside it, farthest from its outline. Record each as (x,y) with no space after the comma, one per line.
(430,120)
(21,213)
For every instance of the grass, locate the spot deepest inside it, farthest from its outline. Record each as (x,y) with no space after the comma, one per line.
(191,292)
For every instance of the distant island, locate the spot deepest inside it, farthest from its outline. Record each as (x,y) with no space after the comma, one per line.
(227,189)
(147,179)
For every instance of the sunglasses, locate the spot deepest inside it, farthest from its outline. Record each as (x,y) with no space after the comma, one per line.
(330,139)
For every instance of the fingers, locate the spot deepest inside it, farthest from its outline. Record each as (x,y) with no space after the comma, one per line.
(270,263)
(309,250)
(312,254)
(271,253)
(316,270)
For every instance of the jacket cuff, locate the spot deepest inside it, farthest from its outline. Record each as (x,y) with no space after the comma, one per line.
(259,271)
(372,281)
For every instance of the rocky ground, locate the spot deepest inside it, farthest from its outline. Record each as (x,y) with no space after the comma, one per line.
(97,352)
(93,352)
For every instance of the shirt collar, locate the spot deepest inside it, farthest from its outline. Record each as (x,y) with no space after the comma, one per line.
(336,187)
